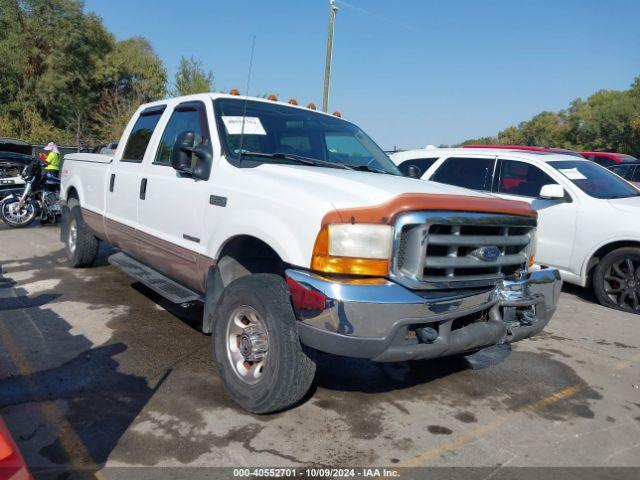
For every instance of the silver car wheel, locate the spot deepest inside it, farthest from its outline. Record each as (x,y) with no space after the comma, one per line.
(247,344)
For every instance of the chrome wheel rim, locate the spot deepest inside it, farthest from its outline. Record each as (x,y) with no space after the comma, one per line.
(622,283)
(73,236)
(247,344)
(17,215)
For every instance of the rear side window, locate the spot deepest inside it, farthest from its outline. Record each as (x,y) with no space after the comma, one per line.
(422,163)
(520,178)
(140,135)
(473,173)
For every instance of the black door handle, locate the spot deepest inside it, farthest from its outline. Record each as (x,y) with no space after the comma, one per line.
(112,180)
(143,189)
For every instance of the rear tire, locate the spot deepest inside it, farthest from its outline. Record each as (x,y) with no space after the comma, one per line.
(258,354)
(616,280)
(80,243)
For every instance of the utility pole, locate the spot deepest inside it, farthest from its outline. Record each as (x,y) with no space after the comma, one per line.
(327,69)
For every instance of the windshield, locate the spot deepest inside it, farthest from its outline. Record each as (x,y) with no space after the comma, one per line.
(595,180)
(270,128)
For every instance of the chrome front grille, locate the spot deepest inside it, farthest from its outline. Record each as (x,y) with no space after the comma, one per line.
(443,250)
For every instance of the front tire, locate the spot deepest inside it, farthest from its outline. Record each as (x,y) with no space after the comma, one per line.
(80,244)
(18,218)
(258,354)
(616,280)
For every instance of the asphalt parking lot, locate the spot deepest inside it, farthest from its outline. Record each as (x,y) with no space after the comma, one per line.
(98,372)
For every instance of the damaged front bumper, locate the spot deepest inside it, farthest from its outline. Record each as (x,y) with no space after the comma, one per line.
(383,321)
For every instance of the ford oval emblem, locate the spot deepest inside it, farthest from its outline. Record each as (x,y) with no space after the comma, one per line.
(488,254)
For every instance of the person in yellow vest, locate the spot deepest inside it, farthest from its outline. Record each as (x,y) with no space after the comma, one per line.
(53,158)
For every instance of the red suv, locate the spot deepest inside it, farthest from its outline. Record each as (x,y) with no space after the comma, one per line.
(528,148)
(606,159)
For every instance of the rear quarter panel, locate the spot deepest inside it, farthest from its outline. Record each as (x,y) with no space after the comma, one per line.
(87,174)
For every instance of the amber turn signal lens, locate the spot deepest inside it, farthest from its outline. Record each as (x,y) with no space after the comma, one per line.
(234,91)
(531,261)
(323,262)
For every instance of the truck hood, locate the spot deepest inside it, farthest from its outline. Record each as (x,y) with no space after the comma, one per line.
(631,204)
(348,188)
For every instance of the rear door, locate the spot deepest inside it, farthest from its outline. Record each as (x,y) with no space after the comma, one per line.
(520,180)
(123,184)
(172,205)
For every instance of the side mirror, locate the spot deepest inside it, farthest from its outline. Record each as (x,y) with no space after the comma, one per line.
(552,192)
(183,152)
(414,172)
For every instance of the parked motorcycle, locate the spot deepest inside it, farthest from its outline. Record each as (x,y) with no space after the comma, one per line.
(39,199)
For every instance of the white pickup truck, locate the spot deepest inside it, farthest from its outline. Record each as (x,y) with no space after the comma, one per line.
(588,224)
(299,234)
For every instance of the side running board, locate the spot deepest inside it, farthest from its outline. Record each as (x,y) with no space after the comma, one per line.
(153,279)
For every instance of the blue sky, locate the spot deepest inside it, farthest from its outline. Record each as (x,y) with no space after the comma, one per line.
(409,73)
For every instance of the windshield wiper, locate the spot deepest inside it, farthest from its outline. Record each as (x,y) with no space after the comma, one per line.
(369,168)
(297,158)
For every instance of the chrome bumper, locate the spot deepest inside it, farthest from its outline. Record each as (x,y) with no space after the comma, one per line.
(379,320)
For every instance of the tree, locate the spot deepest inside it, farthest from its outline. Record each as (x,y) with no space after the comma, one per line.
(191,78)
(131,74)
(609,120)
(62,73)
(49,49)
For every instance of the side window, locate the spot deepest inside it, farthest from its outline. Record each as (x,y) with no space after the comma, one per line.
(622,170)
(186,117)
(520,178)
(140,135)
(636,175)
(604,161)
(422,163)
(473,173)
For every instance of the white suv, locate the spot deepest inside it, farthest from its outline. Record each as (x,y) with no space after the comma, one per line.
(589,218)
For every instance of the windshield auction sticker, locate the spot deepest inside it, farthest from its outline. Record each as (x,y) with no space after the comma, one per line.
(572,173)
(252,125)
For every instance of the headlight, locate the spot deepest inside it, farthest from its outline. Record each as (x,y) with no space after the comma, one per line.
(353,249)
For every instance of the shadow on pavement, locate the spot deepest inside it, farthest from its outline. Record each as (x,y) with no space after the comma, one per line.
(56,387)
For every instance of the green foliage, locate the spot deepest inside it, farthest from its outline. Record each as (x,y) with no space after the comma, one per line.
(608,120)
(61,66)
(191,78)
(129,75)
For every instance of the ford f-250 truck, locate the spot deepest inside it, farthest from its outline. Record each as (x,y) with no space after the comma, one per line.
(299,234)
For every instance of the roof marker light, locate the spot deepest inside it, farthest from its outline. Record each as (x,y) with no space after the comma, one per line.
(234,91)
(311,106)
(272,97)
(337,114)
(293,101)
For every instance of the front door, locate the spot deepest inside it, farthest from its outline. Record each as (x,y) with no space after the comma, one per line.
(518,180)
(171,211)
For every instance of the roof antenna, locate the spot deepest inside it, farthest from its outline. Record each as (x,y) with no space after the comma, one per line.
(246,98)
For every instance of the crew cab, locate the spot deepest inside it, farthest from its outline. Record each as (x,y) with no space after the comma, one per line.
(298,234)
(588,224)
